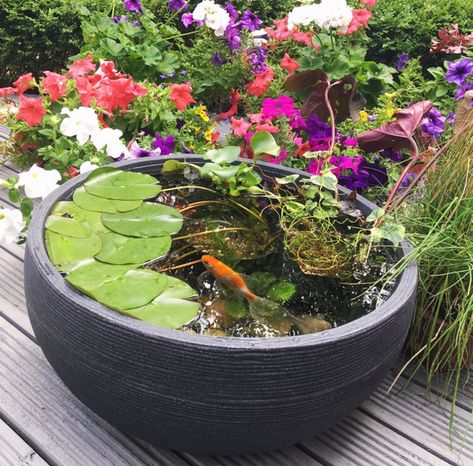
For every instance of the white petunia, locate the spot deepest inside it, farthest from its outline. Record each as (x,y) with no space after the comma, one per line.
(108,139)
(87,166)
(80,122)
(39,182)
(302,15)
(11,224)
(214,16)
(326,15)
(260,37)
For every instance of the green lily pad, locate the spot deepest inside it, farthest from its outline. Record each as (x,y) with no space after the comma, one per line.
(91,273)
(134,289)
(227,154)
(88,201)
(148,220)
(119,249)
(69,219)
(170,309)
(65,250)
(121,185)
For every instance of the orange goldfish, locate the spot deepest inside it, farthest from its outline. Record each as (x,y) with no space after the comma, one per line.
(228,276)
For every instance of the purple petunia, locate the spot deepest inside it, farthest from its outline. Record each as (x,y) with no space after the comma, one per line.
(458,72)
(232,37)
(133,5)
(465,87)
(217,60)
(434,124)
(250,21)
(187,19)
(257,56)
(232,12)
(401,62)
(166,146)
(391,154)
(120,19)
(136,151)
(178,5)
(316,128)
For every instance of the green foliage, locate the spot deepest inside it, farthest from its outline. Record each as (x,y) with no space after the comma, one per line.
(39,35)
(410,25)
(281,291)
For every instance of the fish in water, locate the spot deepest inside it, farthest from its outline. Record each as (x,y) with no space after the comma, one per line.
(261,309)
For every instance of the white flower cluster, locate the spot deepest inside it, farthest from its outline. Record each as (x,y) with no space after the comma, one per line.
(83,123)
(327,14)
(214,16)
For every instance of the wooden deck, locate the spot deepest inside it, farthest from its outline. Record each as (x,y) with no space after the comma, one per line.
(42,423)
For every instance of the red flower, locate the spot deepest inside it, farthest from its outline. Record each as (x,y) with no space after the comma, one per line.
(234,99)
(266,125)
(303,37)
(370,3)
(261,84)
(31,111)
(118,93)
(289,64)
(181,95)
(82,67)
(281,32)
(107,69)
(73,171)
(23,83)
(6,91)
(360,19)
(55,85)
(86,86)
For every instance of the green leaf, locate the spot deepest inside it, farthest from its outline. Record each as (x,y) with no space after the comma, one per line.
(281,292)
(173,166)
(287,179)
(91,273)
(118,249)
(227,154)
(375,214)
(121,185)
(390,231)
(170,309)
(224,172)
(148,220)
(88,201)
(66,251)
(134,289)
(264,143)
(71,215)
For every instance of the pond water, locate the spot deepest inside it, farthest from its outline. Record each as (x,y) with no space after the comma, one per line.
(243,233)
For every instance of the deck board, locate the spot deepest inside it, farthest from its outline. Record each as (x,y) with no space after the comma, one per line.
(41,422)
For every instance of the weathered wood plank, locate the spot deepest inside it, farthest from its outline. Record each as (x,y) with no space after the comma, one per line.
(15,451)
(35,401)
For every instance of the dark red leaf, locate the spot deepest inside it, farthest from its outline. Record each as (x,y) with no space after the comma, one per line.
(398,133)
(300,81)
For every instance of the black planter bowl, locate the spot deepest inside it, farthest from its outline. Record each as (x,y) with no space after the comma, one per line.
(206,394)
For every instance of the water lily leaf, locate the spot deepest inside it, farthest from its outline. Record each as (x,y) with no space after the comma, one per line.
(173,166)
(224,172)
(398,133)
(121,185)
(119,249)
(91,273)
(88,201)
(65,250)
(227,154)
(134,289)
(146,221)
(69,219)
(170,309)
(264,143)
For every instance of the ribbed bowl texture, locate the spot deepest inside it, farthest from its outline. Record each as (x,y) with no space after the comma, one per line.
(206,394)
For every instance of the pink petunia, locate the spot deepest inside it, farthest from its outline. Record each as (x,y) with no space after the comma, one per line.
(240,127)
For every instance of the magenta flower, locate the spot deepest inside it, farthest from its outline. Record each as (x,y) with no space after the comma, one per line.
(350,142)
(187,19)
(458,72)
(278,160)
(283,105)
(133,5)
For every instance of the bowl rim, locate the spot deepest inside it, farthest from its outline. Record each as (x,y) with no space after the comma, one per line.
(405,289)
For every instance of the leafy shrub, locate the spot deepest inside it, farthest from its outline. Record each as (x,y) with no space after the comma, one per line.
(410,25)
(39,35)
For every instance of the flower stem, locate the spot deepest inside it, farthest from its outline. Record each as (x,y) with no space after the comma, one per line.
(209,232)
(181,266)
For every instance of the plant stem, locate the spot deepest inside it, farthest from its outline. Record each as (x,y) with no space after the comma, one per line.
(332,120)
(181,266)
(190,186)
(209,232)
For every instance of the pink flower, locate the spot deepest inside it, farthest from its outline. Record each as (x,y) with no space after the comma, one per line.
(350,142)
(289,64)
(23,83)
(303,37)
(31,111)
(6,91)
(283,105)
(240,127)
(266,126)
(55,85)
(369,3)
(181,95)
(360,18)
(82,67)
(281,32)
(234,99)
(261,83)
(255,117)
(278,160)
